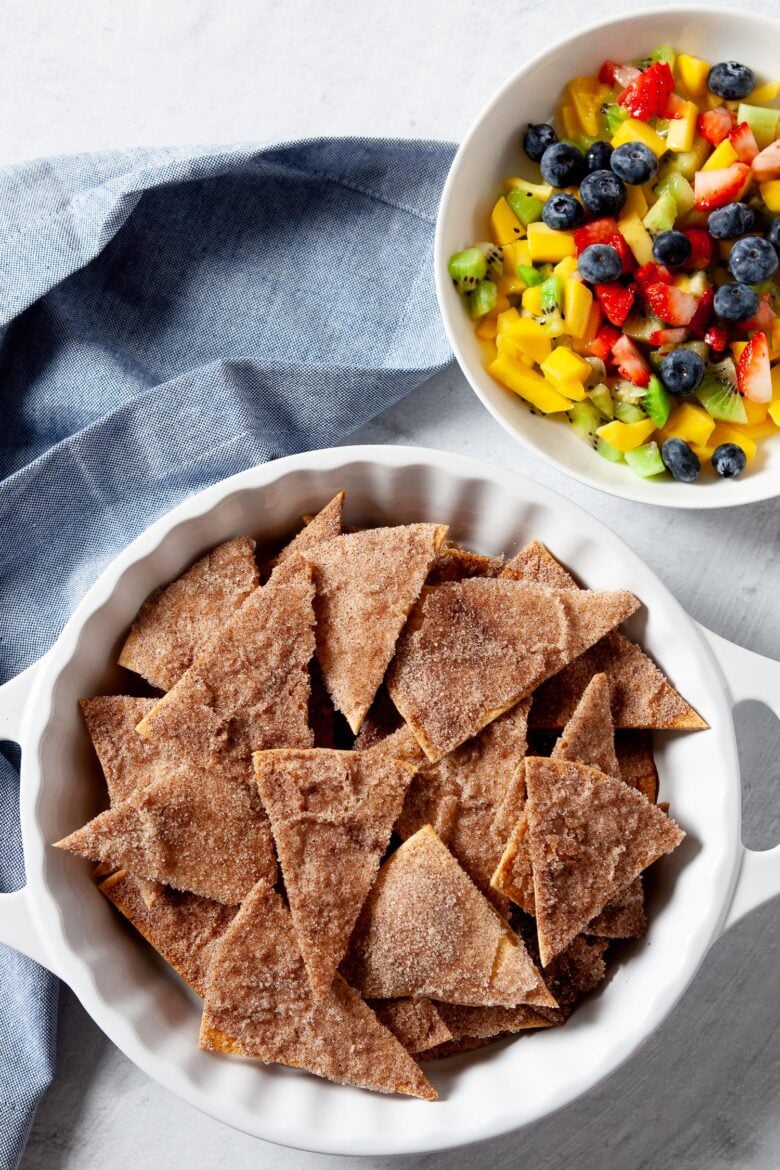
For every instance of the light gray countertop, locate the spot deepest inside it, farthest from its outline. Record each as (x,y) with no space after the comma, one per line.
(704,1092)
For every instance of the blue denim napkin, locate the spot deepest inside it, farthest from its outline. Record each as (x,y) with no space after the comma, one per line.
(167,318)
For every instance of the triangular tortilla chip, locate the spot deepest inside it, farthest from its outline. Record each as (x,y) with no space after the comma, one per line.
(128,760)
(250,691)
(471,797)
(537,566)
(588,836)
(324,526)
(634,751)
(578,969)
(331,815)
(455,564)
(198,832)
(259,1004)
(513,876)
(427,930)
(589,737)
(624,916)
(382,720)
(474,648)
(415,1023)
(489,1022)
(367,582)
(183,928)
(178,623)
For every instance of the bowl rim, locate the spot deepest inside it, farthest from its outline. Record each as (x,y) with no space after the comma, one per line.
(762,490)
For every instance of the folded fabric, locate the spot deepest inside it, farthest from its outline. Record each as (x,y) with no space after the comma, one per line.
(167,318)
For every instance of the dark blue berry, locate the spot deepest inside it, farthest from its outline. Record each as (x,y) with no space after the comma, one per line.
(634,163)
(735,302)
(730,80)
(773,235)
(671,248)
(680,460)
(537,138)
(598,156)
(603,193)
(562,165)
(728,460)
(731,221)
(682,371)
(753,259)
(600,264)
(562,212)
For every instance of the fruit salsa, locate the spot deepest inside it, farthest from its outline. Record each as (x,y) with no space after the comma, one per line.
(632,290)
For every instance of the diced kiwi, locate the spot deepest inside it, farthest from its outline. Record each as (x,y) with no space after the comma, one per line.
(699,347)
(627,412)
(698,283)
(551,294)
(467,268)
(663,54)
(657,402)
(494,258)
(584,142)
(642,326)
(719,395)
(529,274)
(601,398)
(612,116)
(482,299)
(607,451)
(761,120)
(646,460)
(598,371)
(680,190)
(661,216)
(686,162)
(585,419)
(625,391)
(527,208)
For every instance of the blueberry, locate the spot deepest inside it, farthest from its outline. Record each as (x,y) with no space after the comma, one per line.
(600,264)
(598,156)
(728,460)
(753,259)
(671,248)
(562,212)
(562,165)
(634,163)
(537,138)
(773,235)
(735,302)
(682,371)
(680,460)
(731,221)
(730,80)
(603,193)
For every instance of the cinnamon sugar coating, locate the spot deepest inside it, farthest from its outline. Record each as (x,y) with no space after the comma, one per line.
(324,526)
(538,566)
(483,1023)
(417,1023)
(589,737)
(624,916)
(634,751)
(127,759)
(454,563)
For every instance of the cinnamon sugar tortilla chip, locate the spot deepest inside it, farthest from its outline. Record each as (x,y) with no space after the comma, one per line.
(178,623)
(536,565)
(382,720)
(183,928)
(589,737)
(427,930)
(474,648)
(513,876)
(259,1004)
(250,690)
(129,761)
(578,969)
(457,1047)
(324,526)
(489,1022)
(624,916)
(332,814)
(453,563)
(367,582)
(198,832)
(416,1023)
(637,764)
(588,836)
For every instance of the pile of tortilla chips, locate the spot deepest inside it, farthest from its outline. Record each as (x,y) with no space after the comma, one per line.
(337,810)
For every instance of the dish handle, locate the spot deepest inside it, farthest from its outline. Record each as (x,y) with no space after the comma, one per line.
(748,675)
(17,926)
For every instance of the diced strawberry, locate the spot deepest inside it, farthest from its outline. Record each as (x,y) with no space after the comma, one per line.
(601,346)
(717,188)
(717,338)
(652,273)
(702,247)
(629,361)
(754,378)
(668,337)
(744,142)
(675,107)
(647,95)
(700,320)
(616,301)
(763,318)
(625,74)
(669,303)
(607,73)
(766,165)
(715,125)
(604,231)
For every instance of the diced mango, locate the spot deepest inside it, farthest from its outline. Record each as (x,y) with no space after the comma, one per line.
(532,300)
(530,337)
(632,130)
(570,123)
(635,204)
(756,411)
(723,433)
(775,383)
(505,320)
(693,74)
(563,366)
(774,411)
(506,344)
(504,224)
(764,93)
(682,130)
(587,95)
(577,304)
(510,285)
(736,349)
(637,237)
(594,323)
(541,191)
(722,156)
(574,390)
(547,244)
(566,267)
(626,436)
(486,329)
(688,422)
(759,430)
(516,253)
(770,193)
(528,385)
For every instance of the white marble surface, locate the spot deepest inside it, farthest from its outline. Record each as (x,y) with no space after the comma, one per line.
(703,1093)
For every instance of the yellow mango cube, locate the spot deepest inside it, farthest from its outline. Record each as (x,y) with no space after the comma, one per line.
(770,193)
(723,433)
(510,285)
(570,123)
(574,390)
(756,411)
(587,95)
(693,73)
(486,329)
(577,305)
(547,244)
(774,412)
(506,319)
(563,366)
(505,227)
(501,305)
(764,93)
(566,267)
(736,349)
(760,430)
(516,253)
(633,130)
(506,345)
(531,300)
(541,191)
(637,237)
(682,130)
(593,325)
(722,156)
(635,204)
(531,337)
(528,384)
(688,422)
(626,436)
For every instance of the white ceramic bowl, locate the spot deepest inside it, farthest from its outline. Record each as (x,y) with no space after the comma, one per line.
(63,921)
(492,150)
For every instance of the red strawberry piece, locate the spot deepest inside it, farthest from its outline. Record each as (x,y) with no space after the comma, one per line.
(601,346)
(717,338)
(651,273)
(675,107)
(604,231)
(629,361)
(763,318)
(715,125)
(607,73)
(625,74)
(744,142)
(700,321)
(647,96)
(754,378)
(668,337)
(701,249)
(766,165)
(669,303)
(717,188)
(616,301)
